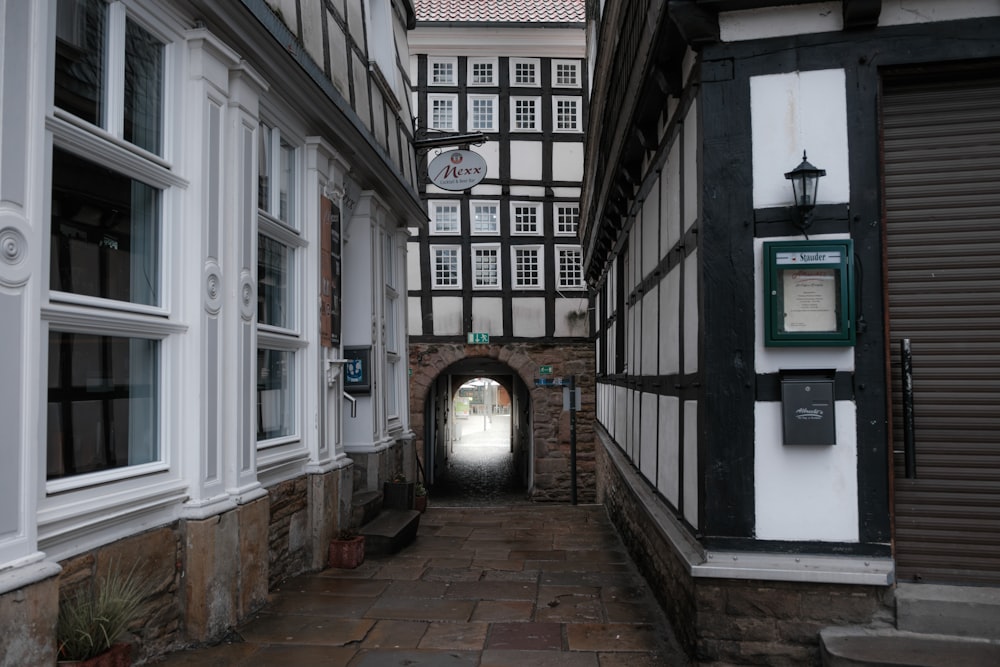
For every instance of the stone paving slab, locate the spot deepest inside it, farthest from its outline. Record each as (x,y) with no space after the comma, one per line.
(526,586)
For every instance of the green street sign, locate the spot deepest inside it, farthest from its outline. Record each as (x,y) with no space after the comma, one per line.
(545,370)
(478,338)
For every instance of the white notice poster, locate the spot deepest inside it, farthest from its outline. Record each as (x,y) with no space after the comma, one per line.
(810,300)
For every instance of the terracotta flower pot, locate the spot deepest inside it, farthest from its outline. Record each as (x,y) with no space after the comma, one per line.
(420,503)
(347,553)
(119,655)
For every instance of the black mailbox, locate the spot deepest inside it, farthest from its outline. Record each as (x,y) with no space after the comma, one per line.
(807,412)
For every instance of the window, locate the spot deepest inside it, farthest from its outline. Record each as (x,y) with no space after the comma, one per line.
(393,332)
(485,219)
(482,72)
(524,72)
(566,114)
(567,218)
(442,71)
(105,357)
(278,330)
(444,217)
(442,111)
(483,112)
(527,261)
(524,113)
(525,219)
(570,262)
(486,266)
(565,73)
(446,271)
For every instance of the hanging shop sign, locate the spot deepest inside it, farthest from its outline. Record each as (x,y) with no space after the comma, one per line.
(457,170)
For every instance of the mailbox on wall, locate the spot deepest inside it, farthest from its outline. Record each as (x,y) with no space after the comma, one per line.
(807,410)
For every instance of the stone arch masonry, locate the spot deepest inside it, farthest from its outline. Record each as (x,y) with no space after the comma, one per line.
(551,437)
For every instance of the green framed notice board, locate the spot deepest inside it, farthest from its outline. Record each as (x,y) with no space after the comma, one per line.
(809,293)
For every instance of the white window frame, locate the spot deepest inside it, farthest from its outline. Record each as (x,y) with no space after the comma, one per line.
(515,222)
(562,99)
(434,206)
(482,247)
(556,64)
(493,102)
(516,282)
(534,63)
(562,210)
(435,278)
(450,98)
(536,102)
(103,145)
(441,60)
(495,230)
(560,261)
(395,342)
(471,65)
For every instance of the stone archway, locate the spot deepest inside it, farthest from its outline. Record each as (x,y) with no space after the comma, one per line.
(550,436)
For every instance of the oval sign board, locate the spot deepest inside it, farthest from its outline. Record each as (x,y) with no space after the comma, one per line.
(457,170)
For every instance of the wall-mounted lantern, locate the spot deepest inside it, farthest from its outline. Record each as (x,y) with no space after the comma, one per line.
(805,182)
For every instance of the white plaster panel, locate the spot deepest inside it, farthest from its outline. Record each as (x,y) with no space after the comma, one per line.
(692,327)
(526,191)
(780,21)
(650,232)
(670,195)
(572,318)
(621,411)
(487,315)
(648,436)
(691,167)
(670,332)
(487,190)
(650,335)
(447,315)
(414,317)
(525,160)
(413,265)
(634,421)
(904,12)
(633,340)
(567,161)
(691,462)
(774,359)
(668,425)
(529,316)
(805,493)
(490,151)
(571,193)
(794,112)
(312,29)
(338,57)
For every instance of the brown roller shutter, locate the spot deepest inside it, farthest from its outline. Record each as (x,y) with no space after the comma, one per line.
(941,141)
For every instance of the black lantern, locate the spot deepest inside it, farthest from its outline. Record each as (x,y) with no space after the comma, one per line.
(805,182)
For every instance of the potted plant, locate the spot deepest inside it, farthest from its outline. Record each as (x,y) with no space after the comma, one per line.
(397,493)
(420,498)
(347,550)
(93,618)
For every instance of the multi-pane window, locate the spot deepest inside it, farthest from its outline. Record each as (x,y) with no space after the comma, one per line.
(442,72)
(393,333)
(524,113)
(566,114)
(524,72)
(527,266)
(486,266)
(567,218)
(106,252)
(446,269)
(482,72)
(485,217)
(444,217)
(278,244)
(442,111)
(525,219)
(566,73)
(569,269)
(483,112)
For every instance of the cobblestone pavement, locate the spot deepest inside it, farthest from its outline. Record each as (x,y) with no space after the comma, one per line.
(519,585)
(480,469)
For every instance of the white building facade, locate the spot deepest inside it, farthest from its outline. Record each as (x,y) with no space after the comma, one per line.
(204,210)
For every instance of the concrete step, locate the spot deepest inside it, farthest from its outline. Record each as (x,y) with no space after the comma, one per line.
(390,531)
(365,506)
(867,647)
(964,611)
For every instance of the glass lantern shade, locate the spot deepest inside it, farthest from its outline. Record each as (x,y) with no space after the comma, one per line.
(805,182)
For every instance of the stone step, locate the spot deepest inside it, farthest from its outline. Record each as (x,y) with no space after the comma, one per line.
(365,506)
(390,531)
(867,647)
(964,611)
